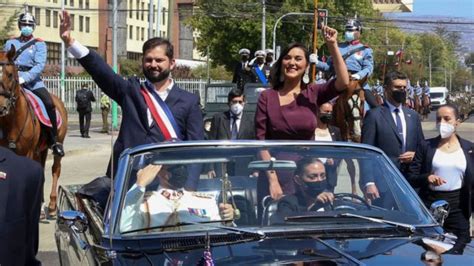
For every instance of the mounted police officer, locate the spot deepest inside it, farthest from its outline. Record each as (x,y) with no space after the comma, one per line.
(358,57)
(30,60)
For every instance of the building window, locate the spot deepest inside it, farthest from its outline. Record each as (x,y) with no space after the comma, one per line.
(143,34)
(30,9)
(80,4)
(54,53)
(153,13)
(55,19)
(87,4)
(55,1)
(38,15)
(130,9)
(130,32)
(48,18)
(143,11)
(154,33)
(138,33)
(65,2)
(88,21)
(72,21)
(137,10)
(163,14)
(72,2)
(81,23)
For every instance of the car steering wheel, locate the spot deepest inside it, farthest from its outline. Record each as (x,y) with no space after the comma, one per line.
(340,196)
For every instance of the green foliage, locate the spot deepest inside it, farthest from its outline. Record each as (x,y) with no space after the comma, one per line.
(215,73)
(130,68)
(10,25)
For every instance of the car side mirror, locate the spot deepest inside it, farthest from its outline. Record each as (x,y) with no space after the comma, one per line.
(74,220)
(440,210)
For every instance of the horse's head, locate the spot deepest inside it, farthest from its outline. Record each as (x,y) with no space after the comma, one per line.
(355,84)
(9,86)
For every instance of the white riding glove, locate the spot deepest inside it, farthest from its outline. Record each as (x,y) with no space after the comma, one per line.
(355,76)
(313,58)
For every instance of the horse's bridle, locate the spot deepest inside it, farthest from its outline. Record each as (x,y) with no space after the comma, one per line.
(9,94)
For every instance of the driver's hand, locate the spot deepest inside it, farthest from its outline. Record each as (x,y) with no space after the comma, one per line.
(147,174)
(325,197)
(211,174)
(371,192)
(226,211)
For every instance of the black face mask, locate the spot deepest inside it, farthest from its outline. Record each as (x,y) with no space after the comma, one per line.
(399,96)
(326,118)
(244,58)
(315,188)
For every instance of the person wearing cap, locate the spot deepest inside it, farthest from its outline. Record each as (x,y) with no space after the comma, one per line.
(30,60)
(169,204)
(260,69)
(242,71)
(358,58)
(269,57)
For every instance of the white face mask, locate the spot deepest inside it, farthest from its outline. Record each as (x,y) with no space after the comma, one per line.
(445,130)
(236,108)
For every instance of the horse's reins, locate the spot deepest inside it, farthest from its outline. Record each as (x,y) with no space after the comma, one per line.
(10,95)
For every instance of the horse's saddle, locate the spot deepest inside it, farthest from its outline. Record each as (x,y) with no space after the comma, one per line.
(40,110)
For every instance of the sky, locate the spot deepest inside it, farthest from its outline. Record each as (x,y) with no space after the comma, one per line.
(445,8)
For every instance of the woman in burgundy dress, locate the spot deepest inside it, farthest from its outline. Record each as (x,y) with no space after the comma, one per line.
(289,110)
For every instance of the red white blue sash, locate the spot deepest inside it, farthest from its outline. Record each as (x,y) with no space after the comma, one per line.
(160,112)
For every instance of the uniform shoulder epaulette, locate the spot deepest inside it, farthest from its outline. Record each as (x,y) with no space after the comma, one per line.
(202,195)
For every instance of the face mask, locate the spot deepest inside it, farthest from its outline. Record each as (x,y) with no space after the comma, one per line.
(236,108)
(445,129)
(245,58)
(26,30)
(315,188)
(399,96)
(349,36)
(325,118)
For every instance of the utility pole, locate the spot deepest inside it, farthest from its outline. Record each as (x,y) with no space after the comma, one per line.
(315,40)
(158,19)
(263,25)
(151,15)
(114,58)
(63,61)
(429,64)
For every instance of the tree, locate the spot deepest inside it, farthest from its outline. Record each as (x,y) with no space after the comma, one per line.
(225,26)
(10,25)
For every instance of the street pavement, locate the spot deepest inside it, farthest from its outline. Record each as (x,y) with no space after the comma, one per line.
(87,158)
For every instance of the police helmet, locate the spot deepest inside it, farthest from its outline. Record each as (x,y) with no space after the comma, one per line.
(26,19)
(353,25)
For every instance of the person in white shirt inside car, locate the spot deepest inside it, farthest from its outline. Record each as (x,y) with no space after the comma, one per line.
(170,204)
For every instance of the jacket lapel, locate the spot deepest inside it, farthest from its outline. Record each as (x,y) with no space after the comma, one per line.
(388,116)
(410,124)
(173,96)
(468,150)
(226,124)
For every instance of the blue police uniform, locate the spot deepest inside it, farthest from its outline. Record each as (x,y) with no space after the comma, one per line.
(30,62)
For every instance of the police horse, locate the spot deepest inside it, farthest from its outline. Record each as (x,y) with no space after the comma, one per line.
(21,129)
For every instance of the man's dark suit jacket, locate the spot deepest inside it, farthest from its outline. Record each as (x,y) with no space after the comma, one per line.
(421,168)
(220,130)
(134,129)
(20,206)
(379,130)
(220,127)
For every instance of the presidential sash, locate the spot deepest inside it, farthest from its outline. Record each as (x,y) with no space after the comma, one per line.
(160,112)
(261,76)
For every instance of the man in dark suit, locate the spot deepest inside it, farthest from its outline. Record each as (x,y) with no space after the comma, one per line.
(141,101)
(233,124)
(242,71)
(21,186)
(394,129)
(84,98)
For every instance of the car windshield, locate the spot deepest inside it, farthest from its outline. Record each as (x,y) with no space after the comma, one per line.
(436,94)
(202,187)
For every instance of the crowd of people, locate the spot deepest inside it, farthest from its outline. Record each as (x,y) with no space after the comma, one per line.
(157,110)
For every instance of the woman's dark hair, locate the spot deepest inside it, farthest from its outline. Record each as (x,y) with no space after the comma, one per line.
(235,92)
(157,41)
(276,68)
(305,162)
(393,75)
(453,107)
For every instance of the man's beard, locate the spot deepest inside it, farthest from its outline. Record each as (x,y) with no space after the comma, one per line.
(154,79)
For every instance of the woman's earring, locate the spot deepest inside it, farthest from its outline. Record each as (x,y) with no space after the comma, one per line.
(306,76)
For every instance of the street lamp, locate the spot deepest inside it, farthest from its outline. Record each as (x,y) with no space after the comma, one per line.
(278,20)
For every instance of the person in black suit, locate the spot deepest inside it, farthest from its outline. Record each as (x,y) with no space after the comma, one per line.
(242,71)
(139,121)
(21,186)
(443,169)
(84,98)
(394,129)
(232,125)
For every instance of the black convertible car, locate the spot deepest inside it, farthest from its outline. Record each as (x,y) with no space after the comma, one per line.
(154,221)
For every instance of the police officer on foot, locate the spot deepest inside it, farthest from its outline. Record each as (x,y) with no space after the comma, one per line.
(242,71)
(30,59)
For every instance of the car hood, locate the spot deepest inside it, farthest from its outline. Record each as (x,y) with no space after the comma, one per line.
(354,251)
